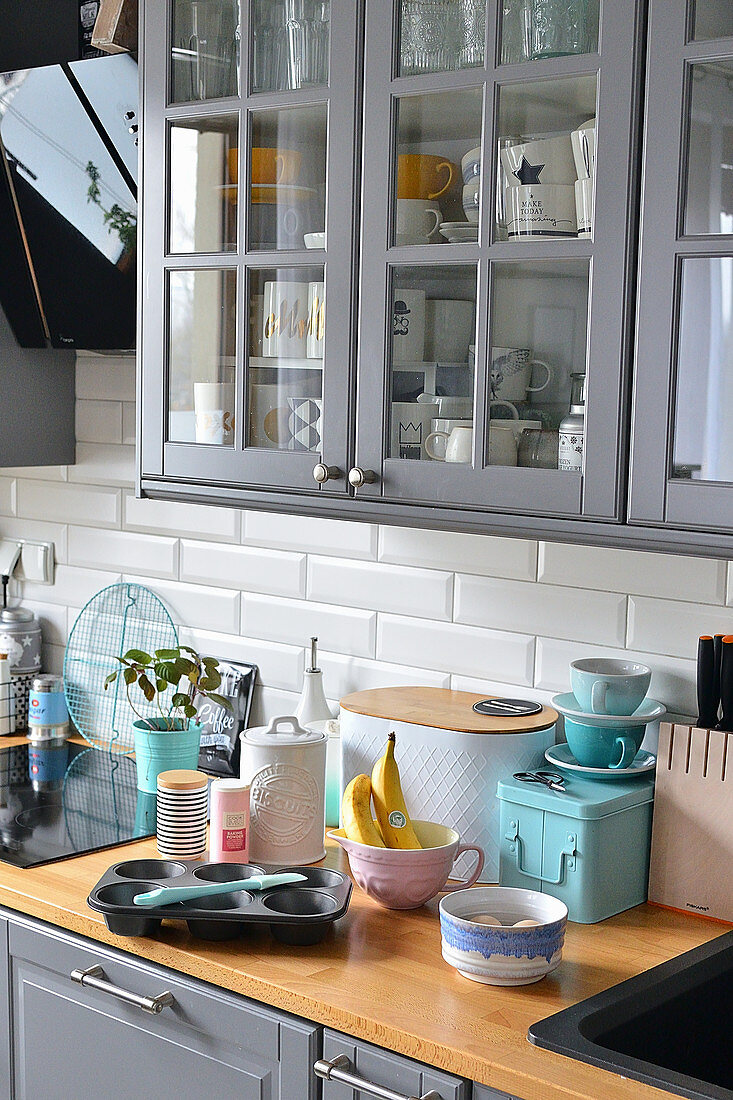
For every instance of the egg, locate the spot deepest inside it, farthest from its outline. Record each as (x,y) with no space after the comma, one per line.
(485,918)
(528,923)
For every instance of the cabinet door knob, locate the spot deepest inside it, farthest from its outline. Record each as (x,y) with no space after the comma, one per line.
(339,1069)
(323,473)
(359,477)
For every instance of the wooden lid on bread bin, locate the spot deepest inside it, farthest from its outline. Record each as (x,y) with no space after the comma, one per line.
(442,709)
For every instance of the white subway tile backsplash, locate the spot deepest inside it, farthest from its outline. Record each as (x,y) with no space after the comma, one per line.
(279,666)
(129,422)
(268,703)
(100,464)
(448,647)
(198,521)
(424,592)
(248,568)
(99,422)
(699,580)
(673,679)
(105,377)
(196,605)
(122,550)
(342,675)
(515,559)
(533,609)
(295,621)
(501,688)
(91,506)
(37,473)
(72,586)
(52,657)
(672,627)
(310,534)
(36,531)
(53,618)
(7,496)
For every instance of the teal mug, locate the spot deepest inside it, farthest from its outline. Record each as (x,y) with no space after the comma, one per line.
(603,746)
(604,685)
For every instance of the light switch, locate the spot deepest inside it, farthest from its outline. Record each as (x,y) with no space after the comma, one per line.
(36,562)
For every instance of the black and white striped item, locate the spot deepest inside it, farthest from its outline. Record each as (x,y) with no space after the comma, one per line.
(182,804)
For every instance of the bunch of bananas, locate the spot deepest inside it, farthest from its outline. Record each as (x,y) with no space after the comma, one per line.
(392,828)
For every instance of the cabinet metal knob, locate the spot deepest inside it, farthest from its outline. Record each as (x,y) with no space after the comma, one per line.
(323,473)
(359,477)
(339,1069)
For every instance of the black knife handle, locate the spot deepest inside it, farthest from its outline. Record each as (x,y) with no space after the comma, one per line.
(726,684)
(707,699)
(718,646)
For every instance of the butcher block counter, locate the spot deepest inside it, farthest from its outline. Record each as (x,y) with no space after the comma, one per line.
(380,976)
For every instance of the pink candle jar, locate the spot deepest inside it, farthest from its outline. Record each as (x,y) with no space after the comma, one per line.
(229,821)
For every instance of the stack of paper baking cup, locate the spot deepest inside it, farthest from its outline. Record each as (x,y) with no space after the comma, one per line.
(182,806)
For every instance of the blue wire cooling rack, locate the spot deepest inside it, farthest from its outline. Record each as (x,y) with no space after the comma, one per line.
(121,617)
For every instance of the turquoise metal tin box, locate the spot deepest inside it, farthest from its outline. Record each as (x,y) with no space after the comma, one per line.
(587,846)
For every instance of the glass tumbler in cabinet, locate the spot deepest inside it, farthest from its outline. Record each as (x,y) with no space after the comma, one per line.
(204,50)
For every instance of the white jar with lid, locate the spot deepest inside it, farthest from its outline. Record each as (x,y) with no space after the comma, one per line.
(285,766)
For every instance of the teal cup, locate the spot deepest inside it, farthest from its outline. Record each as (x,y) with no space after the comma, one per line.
(603,685)
(603,746)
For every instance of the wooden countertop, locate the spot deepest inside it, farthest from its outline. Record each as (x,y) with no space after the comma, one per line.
(380,976)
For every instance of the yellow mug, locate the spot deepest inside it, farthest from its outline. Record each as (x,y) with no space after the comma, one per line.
(421,176)
(269,166)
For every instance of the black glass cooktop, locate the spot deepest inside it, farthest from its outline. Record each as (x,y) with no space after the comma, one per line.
(96,804)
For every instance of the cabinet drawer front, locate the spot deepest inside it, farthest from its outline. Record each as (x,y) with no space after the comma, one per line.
(206,1034)
(384,1067)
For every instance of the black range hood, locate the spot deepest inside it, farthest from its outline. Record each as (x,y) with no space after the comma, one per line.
(68,202)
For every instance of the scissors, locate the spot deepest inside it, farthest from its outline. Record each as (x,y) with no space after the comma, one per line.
(551,780)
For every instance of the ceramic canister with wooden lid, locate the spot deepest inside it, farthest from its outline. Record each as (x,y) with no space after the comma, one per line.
(285,766)
(182,804)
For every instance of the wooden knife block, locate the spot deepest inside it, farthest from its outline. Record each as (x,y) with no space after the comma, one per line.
(691,865)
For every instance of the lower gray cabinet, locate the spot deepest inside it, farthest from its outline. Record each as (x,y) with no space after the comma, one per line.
(382,1067)
(4,1014)
(71,1040)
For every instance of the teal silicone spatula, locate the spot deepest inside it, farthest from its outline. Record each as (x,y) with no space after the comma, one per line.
(167,895)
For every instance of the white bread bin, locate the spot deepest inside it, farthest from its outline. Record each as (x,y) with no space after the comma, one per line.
(450,757)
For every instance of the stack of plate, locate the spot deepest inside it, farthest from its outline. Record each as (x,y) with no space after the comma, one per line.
(459,232)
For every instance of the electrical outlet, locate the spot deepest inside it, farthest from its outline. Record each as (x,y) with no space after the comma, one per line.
(36,562)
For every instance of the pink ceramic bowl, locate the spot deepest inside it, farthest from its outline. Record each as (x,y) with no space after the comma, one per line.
(406,879)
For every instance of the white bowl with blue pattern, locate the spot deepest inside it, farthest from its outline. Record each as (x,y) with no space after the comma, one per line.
(502,955)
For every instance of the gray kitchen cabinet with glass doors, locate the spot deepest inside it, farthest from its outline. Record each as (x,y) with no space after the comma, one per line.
(682,452)
(388,258)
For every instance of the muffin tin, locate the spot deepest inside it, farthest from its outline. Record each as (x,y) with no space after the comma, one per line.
(300,914)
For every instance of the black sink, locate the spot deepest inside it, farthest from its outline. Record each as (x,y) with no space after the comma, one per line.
(671,1027)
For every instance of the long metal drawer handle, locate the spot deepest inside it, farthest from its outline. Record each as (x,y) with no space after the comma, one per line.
(338,1070)
(95,978)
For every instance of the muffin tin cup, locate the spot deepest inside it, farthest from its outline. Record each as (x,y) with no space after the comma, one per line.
(299,914)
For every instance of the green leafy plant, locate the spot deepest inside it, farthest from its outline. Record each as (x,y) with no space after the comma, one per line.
(117,219)
(183,670)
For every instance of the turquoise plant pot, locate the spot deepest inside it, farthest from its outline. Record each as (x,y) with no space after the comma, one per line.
(159,750)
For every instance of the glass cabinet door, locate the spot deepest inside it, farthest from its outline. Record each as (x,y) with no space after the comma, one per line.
(251,124)
(684,368)
(496,226)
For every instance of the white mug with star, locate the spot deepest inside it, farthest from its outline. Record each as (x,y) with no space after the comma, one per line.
(547,160)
